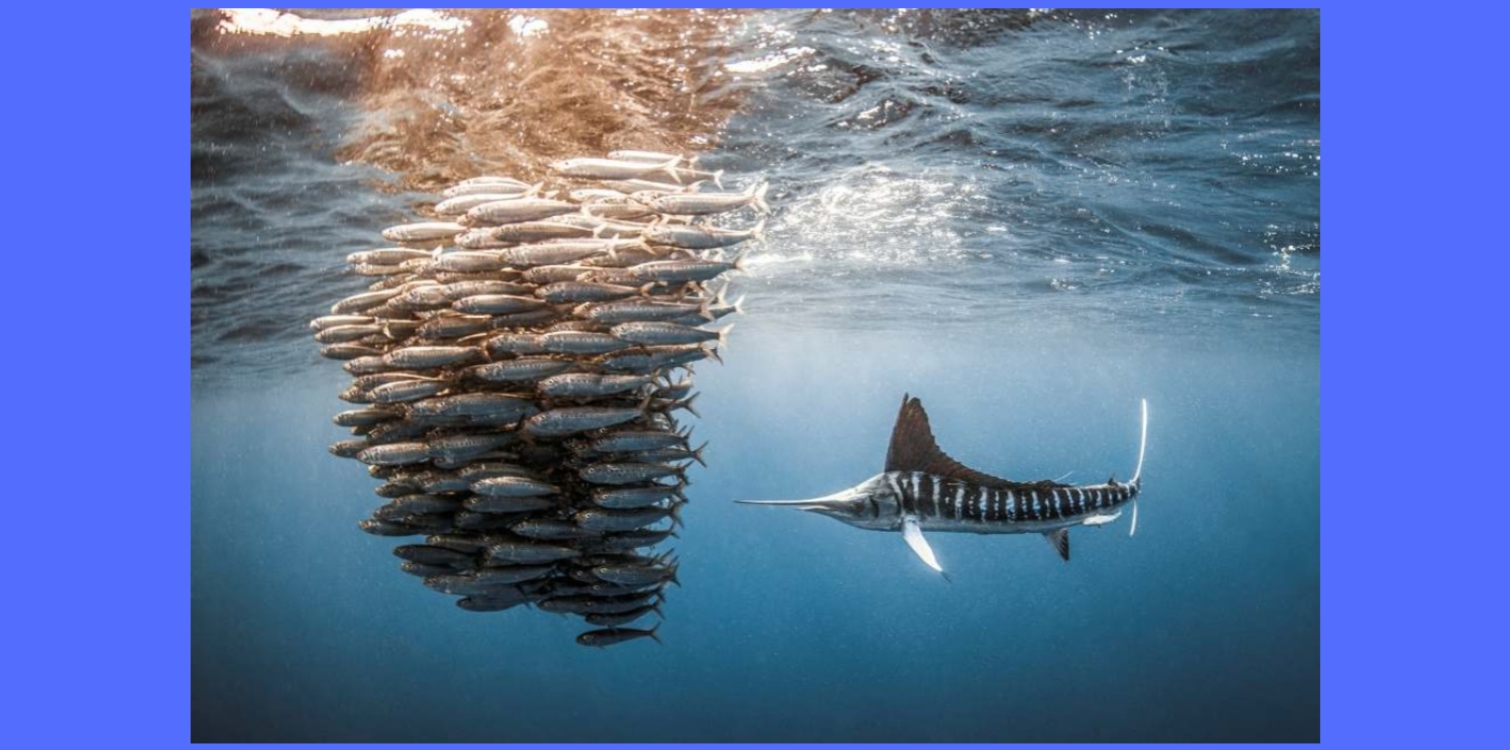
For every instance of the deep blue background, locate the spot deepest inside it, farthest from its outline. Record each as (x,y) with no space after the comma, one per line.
(1408,635)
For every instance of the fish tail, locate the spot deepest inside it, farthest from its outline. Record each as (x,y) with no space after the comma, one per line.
(670,168)
(655,637)
(758,198)
(739,305)
(718,179)
(723,336)
(697,454)
(739,260)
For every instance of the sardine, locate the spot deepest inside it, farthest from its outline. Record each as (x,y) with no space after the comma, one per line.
(510,553)
(364,301)
(624,473)
(395,454)
(515,343)
(580,291)
(513,487)
(581,342)
(612,620)
(635,497)
(494,406)
(497,304)
(610,636)
(424,231)
(507,504)
(700,238)
(451,326)
(365,417)
(469,261)
(573,419)
(429,555)
(460,204)
(344,334)
(517,210)
(590,385)
(331,321)
(660,333)
(612,169)
(629,519)
(421,357)
(625,311)
(712,203)
(407,390)
(388,256)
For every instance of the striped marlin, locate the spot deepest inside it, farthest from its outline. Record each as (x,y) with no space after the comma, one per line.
(922,488)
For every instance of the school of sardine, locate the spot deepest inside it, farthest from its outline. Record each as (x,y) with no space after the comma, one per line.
(518,363)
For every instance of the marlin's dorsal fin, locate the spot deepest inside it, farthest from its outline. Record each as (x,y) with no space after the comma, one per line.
(914,449)
(1060,539)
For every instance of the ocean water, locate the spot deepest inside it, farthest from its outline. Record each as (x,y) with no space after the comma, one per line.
(1030,220)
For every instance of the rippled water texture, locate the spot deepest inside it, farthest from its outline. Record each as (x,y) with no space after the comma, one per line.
(1132,170)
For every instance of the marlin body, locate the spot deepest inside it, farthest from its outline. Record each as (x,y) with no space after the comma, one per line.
(923,489)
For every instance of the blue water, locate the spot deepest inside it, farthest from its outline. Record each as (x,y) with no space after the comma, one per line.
(1030,221)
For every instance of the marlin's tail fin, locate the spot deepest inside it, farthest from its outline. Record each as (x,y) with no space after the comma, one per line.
(1137,477)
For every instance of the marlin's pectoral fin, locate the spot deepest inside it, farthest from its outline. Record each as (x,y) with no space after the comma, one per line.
(1060,539)
(913,533)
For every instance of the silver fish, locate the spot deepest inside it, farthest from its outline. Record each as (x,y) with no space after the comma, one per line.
(388,256)
(460,204)
(344,334)
(590,385)
(660,333)
(611,636)
(331,321)
(394,454)
(581,342)
(517,210)
(701,238)
(460,289)
(624,473)
(453,326)
(712,203)
(524,368)
(469,261)
(496,406)
(612,169)
(515,343)
(612,620)
(607,519)
(424,231)
(497,304)
(513,486)
(366,300)
(624,311)
(407,390)
(365,417)
(508,553)
(635,497)
(421,357)
(672,271)
(573,419)
(503,186)
(538,231)
(507,503)
(581,291)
